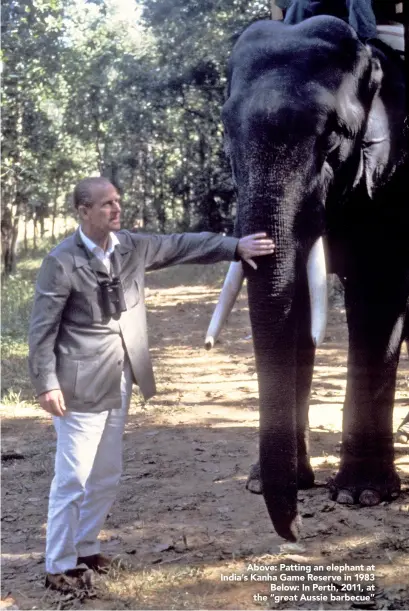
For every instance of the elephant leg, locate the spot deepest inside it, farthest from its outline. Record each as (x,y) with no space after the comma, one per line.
(305,367)
(375,314)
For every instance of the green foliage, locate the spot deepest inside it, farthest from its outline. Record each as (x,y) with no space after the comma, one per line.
(194,40)
(16,302)
(129,90)
(17,292)
(31,47)
(12,397)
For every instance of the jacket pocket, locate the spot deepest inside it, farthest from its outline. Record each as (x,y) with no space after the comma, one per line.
(131,294)
(99,377)
(79,308)
(87,382)
(90,380)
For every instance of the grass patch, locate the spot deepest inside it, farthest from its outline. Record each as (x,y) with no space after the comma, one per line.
(17,299)
(17,293)
(164,588)
(17,296)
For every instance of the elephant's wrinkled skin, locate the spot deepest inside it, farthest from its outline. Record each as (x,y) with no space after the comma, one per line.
(314,125)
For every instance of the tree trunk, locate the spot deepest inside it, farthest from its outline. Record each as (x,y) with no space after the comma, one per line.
(186,195)
(12,266)
(25,229)
(35,231)
(161,210)
(56,193)
(42,227)
(6,239)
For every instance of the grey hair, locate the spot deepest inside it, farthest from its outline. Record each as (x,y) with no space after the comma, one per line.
(83,191)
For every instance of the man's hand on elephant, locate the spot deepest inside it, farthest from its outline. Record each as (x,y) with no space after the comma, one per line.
(53,402)
(254,245)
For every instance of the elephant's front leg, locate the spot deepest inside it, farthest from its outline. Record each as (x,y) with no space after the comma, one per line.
(375,314)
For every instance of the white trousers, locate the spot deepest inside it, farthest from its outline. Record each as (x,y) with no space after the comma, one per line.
(88,466)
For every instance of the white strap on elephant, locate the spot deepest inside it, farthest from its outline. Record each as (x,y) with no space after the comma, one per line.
(317,284)
(393,35)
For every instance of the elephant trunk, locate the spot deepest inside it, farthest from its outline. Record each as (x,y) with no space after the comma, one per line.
(271,291)
(283,327)
(274,336)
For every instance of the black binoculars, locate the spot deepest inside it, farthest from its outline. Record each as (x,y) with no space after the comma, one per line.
(113,299)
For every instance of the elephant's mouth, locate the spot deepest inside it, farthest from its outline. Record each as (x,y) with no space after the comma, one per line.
(317,284)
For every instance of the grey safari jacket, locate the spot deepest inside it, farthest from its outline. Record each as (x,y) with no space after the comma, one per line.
(71,345)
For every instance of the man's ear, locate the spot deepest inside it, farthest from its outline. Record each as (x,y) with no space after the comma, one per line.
(83,212)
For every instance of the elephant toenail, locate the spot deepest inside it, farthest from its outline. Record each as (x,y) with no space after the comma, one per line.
(345,497)
(368,498)
(254,486)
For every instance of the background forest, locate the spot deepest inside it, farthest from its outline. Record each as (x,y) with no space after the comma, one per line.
(131,90)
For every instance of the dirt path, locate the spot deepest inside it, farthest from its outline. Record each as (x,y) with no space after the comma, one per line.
(183,519)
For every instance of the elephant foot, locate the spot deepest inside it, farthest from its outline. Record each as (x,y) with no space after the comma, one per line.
(366,489)
(305,478)
(253,483)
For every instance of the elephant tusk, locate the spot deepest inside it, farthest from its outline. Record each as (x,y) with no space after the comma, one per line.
(317,285)
(230,290)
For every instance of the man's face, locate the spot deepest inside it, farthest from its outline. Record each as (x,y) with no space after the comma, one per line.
(104,215)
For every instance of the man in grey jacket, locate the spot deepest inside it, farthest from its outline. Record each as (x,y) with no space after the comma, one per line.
(88,343)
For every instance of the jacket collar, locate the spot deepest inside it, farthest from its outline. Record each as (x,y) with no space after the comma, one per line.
(112,242)
(82,255)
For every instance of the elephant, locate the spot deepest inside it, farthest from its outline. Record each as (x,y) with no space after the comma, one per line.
(314,125)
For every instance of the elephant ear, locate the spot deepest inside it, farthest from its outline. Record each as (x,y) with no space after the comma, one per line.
(375,144)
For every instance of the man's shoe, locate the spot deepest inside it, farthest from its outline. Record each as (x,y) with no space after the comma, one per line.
(73,580)
(98,562)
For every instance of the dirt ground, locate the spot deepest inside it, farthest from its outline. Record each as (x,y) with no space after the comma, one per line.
(183,521)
